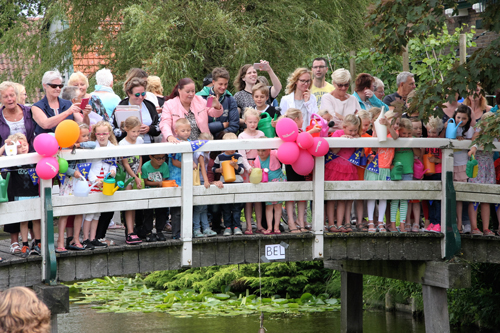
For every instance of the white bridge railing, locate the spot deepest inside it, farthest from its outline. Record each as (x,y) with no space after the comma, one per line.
(187,196)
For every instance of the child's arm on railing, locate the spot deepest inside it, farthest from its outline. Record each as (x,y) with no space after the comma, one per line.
(201,160)
(175,163)
(216,168)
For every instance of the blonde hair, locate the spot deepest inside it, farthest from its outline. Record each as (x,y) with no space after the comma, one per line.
(321,113)
(375,112)
(294,77)
(83,126)
(406,124)
(341,75)
(229,136)
(17,137)
(180,122)
(103,123)
(20,89)
(22,312)
(131,122)
(262,88)
(435,123)
(352,119)
(78,76)
(205,136)
(363,114)
(250,112)
(154,85)
(293,113)
(390,114)
(7,84)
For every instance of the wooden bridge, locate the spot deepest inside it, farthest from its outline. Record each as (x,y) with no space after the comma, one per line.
(422,258)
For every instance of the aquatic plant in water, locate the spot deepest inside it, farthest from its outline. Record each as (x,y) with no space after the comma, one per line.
(122,295)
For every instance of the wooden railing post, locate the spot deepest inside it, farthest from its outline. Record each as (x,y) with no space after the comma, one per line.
(49,264)
(448,205)
(187,210)
(318,212)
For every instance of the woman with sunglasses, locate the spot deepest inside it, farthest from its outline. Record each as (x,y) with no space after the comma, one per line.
(299,95)
(135,89)
(51,110)
(339,103)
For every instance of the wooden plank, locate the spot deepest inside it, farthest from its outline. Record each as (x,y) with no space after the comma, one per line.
(269,197)
(414,185)
(20,211)
(118,197)
(389,195)
(253,188)
(478,197)
(100,207)
(212,199)
(187,210)
(477,188)
(165,202)
(318,212)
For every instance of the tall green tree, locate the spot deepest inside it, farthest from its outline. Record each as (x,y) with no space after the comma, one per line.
(395,22)
(179,38)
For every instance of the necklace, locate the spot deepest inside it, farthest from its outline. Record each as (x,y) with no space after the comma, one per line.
(15,115)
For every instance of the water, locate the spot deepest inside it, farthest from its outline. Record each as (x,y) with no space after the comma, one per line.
(82,318)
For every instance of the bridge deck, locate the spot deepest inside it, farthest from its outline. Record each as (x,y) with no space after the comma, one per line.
(123,259)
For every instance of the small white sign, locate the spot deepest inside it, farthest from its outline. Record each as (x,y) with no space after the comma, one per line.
(274,252)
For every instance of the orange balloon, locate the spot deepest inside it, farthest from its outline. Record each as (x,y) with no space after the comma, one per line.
(67,133)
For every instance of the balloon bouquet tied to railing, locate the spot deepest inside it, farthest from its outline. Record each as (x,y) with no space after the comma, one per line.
(297,150)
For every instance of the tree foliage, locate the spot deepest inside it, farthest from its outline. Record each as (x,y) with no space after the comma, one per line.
(395,22)
(179,38)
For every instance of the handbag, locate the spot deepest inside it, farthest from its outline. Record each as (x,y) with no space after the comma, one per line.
(196,176)
(472,168)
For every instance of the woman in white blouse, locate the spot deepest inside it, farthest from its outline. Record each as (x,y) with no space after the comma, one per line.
(339,103)
(299,95)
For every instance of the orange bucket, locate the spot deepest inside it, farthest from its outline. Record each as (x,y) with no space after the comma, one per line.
(169,183)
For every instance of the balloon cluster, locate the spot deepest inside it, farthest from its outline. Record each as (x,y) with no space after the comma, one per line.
(299,149)
(47,145)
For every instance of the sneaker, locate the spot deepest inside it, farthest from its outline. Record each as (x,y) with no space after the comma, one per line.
(227,232)
(25,251)
(466,229)
(108,242)
(436,228)
(160,236)
(35,249)
(150,238)
(237,231)
(133,239)
(96,243)
(209,232)
(198,234)
(87,244)
(429,227)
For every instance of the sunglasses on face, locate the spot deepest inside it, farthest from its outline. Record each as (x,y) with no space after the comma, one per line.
(54,86)
(140,94)
(346,85)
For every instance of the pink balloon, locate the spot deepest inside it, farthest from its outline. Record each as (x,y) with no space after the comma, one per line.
(305,140)
(47,167)
(319,147)
(288,152)
(287,129)
(304,164)
(45,144)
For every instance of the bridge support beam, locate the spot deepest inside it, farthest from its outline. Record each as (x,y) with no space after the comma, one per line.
(435,277)
(351,298)
(437,319)
(56,298)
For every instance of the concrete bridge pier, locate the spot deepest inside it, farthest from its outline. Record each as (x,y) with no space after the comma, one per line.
(435,276)
(56,298)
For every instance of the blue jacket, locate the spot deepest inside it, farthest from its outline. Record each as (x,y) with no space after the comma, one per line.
(230,113)
(374,101)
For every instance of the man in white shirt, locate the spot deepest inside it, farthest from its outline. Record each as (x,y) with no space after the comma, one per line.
(320,86)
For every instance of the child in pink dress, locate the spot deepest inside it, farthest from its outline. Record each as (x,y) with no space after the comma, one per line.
(341,169)
(251,118)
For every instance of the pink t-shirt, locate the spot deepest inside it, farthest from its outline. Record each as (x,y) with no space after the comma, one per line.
(251,153)
(343,152)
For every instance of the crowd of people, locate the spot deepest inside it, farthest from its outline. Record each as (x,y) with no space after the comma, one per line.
(215,113)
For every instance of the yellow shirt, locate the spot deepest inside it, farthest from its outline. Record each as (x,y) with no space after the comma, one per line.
(319,92)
